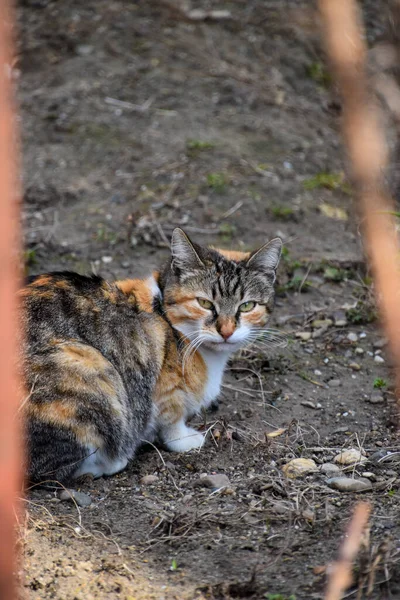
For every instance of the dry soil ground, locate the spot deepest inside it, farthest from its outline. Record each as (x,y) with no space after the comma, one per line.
(136,119)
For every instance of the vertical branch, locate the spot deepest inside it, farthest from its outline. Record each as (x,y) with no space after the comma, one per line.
(367,152)
(10,456)
(340,578)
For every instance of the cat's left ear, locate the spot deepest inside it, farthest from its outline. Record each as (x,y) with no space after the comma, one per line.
(184,255)
(266,258)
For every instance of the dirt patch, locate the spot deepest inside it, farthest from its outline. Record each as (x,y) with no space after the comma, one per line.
(135,121)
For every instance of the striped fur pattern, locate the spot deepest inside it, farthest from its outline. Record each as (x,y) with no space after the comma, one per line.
(111,365)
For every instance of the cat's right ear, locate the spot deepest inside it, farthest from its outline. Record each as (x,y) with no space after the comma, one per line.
(184,256)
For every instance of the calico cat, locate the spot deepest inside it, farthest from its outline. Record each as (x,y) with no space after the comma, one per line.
(111,365)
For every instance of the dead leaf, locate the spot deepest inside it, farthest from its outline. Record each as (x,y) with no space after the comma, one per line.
(276,432)
(333,212)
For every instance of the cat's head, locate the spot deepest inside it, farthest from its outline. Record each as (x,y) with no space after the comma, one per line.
(218,299)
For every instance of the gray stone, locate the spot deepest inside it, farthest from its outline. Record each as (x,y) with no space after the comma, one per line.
(84,49)
(381,343)
(334,383)
(352,337)
(345,484)
(329,468)
(149,479)
(376,398)
(80,498)
(215,482)
(303,335)
(379,359)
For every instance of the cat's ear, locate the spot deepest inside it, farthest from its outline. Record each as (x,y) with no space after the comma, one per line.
(184,255)
(266,259)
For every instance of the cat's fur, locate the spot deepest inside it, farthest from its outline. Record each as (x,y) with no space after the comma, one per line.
(110,365)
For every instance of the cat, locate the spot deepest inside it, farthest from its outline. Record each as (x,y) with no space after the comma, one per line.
(109,366)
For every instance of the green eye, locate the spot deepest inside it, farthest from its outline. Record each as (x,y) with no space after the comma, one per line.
(247,306)
(205,303)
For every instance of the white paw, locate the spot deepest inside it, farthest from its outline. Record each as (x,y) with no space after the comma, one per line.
(182,438)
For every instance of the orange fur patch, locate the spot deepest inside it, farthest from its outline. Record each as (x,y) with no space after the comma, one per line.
(173,385)
(140,290)
(62,413)
(87,357)
(62,284)
(42,281)
(234,255)
(258,316)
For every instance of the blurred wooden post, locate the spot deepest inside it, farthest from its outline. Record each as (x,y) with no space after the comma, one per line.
(366,148)
(10,455)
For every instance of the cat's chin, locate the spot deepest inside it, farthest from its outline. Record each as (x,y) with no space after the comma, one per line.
(221,346)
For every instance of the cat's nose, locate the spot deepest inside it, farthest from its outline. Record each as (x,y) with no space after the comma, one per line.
(226,331)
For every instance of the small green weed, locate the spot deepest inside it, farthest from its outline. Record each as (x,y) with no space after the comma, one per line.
(335,274)
(362,314)
(318,73)
(380,383)
(217,181)
(227,231)
(391,493)
(199,145)
(295,284)
(30,258)
(283,213)
(103,234)
(330,181)
(174,565)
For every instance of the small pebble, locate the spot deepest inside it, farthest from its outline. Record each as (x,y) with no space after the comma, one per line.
(317,372)
(340,319)
(379,359)
(297,467)
(106,259)
(149,479)
(309,404)
(376,398)
(369,475)
(355,366)
(84,49)
(322,323)
(125,264)
(333,383)
(80,498)
(215,482)
(363,335)
(351,456)
(329,468)
(381,343)
(359,350)
(303,335)
(352,337)
(345,484)
(326,360)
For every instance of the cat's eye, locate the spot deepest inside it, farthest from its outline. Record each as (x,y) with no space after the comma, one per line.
(204,303)
(247,306)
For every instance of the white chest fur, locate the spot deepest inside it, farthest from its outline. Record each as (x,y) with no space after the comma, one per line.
(215,363)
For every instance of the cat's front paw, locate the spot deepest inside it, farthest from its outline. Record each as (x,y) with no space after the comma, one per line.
(182,438)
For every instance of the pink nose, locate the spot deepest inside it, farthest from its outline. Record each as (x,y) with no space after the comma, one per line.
(226,331)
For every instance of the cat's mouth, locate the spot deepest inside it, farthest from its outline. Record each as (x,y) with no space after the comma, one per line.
(221,345)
